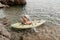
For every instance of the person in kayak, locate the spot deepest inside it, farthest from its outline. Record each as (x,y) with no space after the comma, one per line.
(26,20)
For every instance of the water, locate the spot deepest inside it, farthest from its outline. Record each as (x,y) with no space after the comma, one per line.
(38,9)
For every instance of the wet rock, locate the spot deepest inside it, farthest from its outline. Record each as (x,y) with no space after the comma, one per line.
(13,2)
(3,6)
(15,36)
(4,32)
(5,21)
(3,38)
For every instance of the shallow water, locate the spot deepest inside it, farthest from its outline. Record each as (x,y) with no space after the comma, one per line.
(38,9)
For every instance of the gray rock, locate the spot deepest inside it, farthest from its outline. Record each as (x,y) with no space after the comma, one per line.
(3,38)
(1,6)
(4,32)
(12,2)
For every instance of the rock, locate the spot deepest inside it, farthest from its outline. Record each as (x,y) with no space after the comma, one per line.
(3,38)
(5,21)
(4,32)
(3,6)
(13,2)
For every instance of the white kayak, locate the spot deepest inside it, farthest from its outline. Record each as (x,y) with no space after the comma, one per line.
(34,24)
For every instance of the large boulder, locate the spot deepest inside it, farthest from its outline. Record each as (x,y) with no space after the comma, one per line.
(13,2)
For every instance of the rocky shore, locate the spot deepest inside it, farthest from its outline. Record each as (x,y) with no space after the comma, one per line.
(38,9)
(45,32)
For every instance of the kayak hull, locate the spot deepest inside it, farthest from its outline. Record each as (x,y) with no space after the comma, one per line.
(34,24)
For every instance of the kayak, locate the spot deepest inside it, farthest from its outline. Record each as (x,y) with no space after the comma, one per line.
(34,24)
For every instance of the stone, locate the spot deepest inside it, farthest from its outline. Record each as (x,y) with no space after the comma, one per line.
(13,2)
(5,21)
(3,38)
(2,5)
(4,32)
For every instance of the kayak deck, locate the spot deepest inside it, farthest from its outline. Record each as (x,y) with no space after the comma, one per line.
(34,24)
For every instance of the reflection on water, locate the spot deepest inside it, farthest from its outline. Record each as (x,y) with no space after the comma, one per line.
(38,9)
